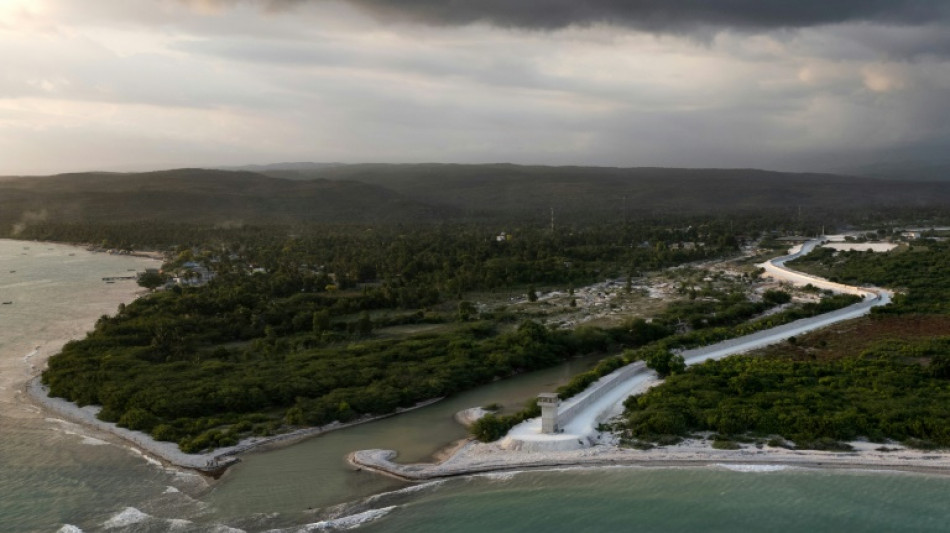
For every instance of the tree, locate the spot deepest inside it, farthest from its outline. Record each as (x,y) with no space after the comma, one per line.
(665,362)
(776,297)
(532,294)
(364,325)
(940,366)
(489,428)
(321,321)
(151,279)
(466,310)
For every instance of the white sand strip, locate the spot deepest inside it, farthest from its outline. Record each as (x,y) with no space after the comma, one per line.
(213,462)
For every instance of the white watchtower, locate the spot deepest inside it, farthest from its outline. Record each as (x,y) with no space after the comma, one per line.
(548,402)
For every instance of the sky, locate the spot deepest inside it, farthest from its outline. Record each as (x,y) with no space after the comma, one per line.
(148,84)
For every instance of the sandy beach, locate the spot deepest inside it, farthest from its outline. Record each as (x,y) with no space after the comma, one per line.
(213,463)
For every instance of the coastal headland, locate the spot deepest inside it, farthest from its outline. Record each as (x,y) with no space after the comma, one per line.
(527,448)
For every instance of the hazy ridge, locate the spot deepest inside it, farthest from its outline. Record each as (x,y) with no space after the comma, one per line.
(387,193)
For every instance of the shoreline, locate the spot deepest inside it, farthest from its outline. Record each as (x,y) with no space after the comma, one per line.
(213,463)
(155,255)
(27,390)
(475,458)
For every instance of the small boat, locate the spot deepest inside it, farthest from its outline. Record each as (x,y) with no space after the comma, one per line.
(70,255)
(7,303)
(13,271)
(110,282)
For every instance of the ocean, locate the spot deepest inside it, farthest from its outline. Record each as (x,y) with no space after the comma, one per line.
(675,499)
(57,476)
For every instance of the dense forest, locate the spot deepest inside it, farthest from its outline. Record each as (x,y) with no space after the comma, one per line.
(895,387)
(894,390)
(285,334)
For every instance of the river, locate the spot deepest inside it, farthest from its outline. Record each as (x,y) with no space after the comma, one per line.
(56,476)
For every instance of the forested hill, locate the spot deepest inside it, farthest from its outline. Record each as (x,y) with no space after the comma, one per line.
(203,196)
(434,192)
(636,191)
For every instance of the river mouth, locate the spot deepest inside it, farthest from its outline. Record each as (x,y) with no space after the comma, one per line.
(262,481)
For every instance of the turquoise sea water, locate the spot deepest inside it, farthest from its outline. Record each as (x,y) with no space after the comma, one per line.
(56,476)
(655,499)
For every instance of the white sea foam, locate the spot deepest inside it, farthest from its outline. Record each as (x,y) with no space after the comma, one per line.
(221,528)
(406,490)
(147,458)
(69,528)
(73,429)
(347,522)
(175,524)
(171,490)
(184,475)
(753,468)
(500,476)
(125,517)
(86,439)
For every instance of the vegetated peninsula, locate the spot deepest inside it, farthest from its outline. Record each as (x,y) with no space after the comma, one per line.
(331,326)
(295,303)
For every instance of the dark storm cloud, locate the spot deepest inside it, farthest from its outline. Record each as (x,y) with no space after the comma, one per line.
(660,15)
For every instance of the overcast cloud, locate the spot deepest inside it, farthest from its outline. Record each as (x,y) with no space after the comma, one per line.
(138,84)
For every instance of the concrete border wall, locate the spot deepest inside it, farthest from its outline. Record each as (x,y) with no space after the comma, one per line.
(597,390)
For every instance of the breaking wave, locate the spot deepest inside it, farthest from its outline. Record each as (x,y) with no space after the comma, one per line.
(347,522)
(753,468)
(125,517)
(407,490)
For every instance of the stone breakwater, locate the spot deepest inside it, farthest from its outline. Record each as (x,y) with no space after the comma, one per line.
(478,458)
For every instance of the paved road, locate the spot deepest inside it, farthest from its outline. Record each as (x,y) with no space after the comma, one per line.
(605,397)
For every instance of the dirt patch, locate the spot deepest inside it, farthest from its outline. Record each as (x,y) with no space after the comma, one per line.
(850,339)
(412,329)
